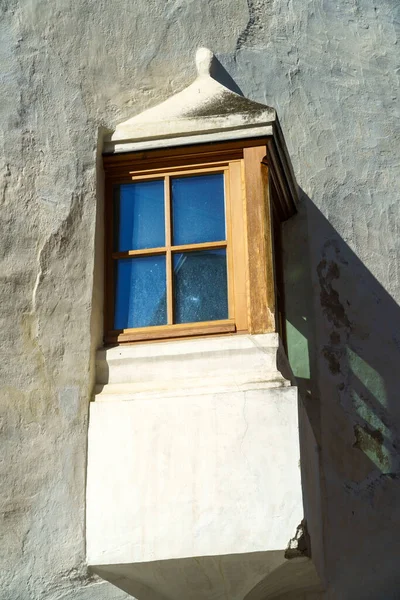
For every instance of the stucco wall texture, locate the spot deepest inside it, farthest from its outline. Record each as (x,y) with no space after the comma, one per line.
(70,68)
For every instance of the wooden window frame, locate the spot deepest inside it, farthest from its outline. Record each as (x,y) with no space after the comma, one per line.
(249,234)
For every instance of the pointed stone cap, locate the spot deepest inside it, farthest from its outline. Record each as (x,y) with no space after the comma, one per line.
(205,111)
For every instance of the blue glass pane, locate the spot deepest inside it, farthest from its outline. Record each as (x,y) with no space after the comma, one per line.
(140,292)
(198,209)
(139,216)
(200,285)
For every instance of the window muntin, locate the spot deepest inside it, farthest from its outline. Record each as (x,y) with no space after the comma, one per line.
(170,250)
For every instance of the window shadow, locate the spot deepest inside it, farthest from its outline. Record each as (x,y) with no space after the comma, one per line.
(221,74)
(343,333)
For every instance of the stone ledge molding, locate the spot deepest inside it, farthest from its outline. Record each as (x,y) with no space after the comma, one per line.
(202,365)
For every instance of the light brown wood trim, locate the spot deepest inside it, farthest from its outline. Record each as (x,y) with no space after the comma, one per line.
(238,247)
(202,246)
(171,331)
(229,253)
(168,242)
(188,171)
(152,176)
(166,249)
(182,155)
(142,252)
(259,240)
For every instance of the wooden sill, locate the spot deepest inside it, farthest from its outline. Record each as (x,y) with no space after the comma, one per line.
(163,332)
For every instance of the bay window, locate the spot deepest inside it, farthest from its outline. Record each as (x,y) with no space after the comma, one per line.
(189,242)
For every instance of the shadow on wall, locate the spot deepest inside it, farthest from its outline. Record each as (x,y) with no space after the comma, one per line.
(343,332)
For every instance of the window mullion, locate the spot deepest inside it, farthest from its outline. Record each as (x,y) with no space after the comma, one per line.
(168,242)
(229,254)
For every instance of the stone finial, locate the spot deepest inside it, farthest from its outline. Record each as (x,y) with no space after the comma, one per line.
(204,62)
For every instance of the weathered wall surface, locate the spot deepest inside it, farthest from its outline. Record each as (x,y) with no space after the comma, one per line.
(69,68)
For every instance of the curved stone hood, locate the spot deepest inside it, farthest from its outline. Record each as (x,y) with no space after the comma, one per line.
(204,111)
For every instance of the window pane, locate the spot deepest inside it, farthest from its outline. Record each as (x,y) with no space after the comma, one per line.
(139,216)
(200,285)
(198,209)
(140,292)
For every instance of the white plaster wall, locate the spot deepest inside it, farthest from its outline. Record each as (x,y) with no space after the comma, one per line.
(202,475)
(69,68)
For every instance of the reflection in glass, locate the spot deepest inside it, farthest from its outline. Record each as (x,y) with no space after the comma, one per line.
(140,292)
(200,285)
(198,209)
(139,216)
